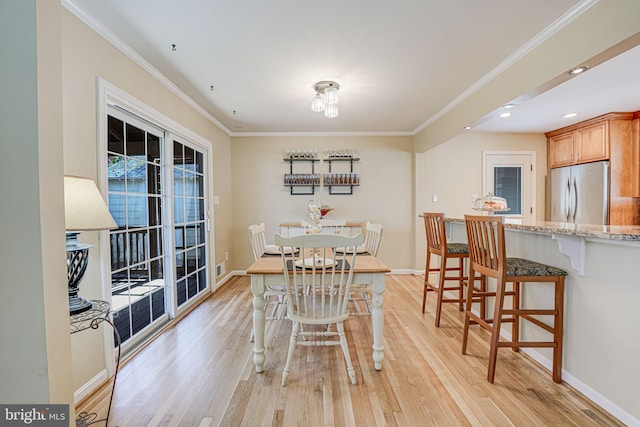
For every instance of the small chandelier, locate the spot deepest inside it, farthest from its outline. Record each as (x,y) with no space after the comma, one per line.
(326,98)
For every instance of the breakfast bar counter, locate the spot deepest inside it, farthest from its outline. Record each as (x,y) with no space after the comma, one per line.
(587,231)
(602,292)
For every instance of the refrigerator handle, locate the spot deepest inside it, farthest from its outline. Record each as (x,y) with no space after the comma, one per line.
(574,205)
(567,200)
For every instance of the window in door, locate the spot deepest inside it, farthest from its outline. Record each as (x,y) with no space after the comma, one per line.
(189,221)
(510,174)
(507,183)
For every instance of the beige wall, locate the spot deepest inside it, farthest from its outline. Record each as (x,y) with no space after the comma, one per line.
(86,56)
(385,194)
(453,171)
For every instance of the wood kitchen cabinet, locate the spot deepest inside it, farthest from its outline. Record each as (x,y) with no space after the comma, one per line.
(592,143)
(581,143)
(560,149)
(614,137)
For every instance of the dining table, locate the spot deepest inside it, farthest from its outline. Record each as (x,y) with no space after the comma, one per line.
(268,271)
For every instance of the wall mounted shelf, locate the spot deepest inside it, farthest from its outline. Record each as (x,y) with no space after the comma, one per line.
(341,183)
(301,183)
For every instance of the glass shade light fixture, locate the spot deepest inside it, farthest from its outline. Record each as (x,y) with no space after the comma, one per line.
(84,210)
(326,98)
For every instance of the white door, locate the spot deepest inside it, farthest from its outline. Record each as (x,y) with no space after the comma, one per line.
(511,174)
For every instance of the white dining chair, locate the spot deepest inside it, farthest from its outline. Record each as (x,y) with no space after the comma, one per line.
(318,281)
(330,226)
(360,292)
(274,295)
(258,239)
(372,237)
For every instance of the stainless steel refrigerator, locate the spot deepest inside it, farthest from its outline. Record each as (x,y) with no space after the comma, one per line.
(580,194)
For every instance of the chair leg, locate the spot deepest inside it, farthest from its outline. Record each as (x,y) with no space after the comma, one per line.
(515,326)
(345,350)
(441,278)
(292,346)
(460,281)
(426,281)
(558,321)
(483,300)
(467,310)
(495,332)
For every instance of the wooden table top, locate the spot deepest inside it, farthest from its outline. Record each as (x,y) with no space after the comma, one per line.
(272,264)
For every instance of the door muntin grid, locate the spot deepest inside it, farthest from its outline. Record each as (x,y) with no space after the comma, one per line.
(134,171)
(189,218)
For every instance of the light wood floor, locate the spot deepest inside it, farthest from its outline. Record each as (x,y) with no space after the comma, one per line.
(200,373)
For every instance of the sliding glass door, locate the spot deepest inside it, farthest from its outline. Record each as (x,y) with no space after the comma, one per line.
(156,193)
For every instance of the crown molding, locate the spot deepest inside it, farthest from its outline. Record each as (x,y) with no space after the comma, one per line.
(541,37)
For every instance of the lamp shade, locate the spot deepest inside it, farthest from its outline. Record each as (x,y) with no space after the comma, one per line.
(84,207)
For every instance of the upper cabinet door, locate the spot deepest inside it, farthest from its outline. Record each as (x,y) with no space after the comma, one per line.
(592,143)
(560,150)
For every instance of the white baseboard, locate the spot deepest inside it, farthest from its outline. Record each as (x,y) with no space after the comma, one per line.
(92,385)
(221,281)
(402,271)
(613,409)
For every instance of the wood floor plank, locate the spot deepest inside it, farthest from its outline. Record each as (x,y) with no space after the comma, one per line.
(199,372)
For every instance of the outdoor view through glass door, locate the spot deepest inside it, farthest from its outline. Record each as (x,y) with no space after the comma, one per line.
(155,269)
(189,222)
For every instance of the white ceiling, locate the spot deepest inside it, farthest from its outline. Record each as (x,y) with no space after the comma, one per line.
(399,64)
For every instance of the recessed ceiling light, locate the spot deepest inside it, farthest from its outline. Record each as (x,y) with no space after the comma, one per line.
(578,70)
(508,106)
(569,115)
(505,114)
(467,127)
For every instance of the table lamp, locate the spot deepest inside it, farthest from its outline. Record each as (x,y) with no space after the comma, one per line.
(84,210)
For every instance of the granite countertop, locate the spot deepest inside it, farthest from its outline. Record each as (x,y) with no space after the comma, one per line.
(588,231)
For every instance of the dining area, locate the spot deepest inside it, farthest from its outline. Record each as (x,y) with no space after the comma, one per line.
(320,276)
(392,365)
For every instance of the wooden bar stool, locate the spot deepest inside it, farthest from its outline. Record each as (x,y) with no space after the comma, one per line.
(487,256)
(437,245)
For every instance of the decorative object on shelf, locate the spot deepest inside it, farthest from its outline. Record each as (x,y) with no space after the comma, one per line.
(491,204)
(341,179)
(326,98)
(300,154)
(342,154)
(301,179)
(315,215)
(324,209)
(85,210)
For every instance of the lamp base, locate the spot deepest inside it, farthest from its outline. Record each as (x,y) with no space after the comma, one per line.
(78,305)
(77,260)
